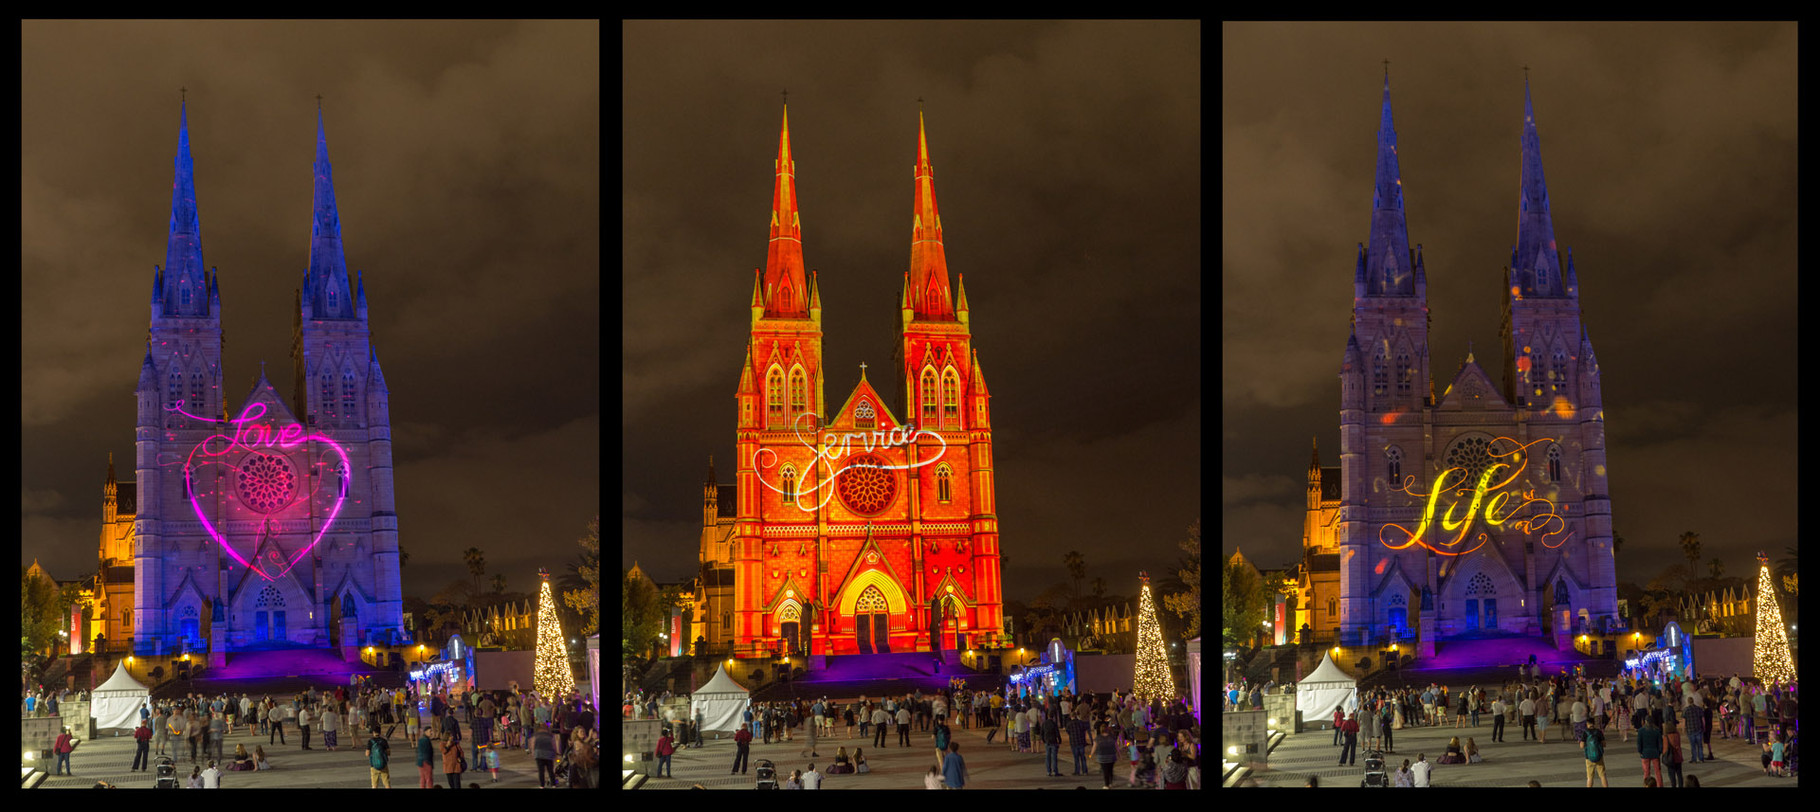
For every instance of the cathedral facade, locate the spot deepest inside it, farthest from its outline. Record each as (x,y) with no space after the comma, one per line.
(254,521)
(1482,510)
(851,530)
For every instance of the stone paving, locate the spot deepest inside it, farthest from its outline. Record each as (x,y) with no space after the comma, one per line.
(991,766)
(1511,763)
(110,759)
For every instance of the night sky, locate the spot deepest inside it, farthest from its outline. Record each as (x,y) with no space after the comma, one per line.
(1067,163)
(466,165)
(1670,156)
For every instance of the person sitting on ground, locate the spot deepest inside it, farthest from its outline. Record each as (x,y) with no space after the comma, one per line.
(842,764)
(1472,752)
(1454,754)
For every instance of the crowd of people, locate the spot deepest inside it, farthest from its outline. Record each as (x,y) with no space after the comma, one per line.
(1673,720)
(551,731)
(1154,744)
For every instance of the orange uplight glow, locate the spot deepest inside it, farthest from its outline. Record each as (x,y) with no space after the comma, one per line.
(1562,408)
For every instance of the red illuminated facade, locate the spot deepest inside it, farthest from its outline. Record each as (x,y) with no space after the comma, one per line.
(854,529)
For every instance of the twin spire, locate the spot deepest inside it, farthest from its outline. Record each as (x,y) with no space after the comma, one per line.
(782,292)
(1385,265)
(183,288)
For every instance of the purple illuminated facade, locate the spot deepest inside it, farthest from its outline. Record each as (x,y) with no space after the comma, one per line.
(261,522)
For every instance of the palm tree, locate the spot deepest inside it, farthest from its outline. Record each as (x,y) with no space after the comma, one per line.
(1717,568)
(477,564)
(1099,587)
(1690,547)
(1077,568)
(499,584)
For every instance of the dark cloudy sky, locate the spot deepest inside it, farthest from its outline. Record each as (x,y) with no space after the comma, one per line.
(1670,155)
(1067,167)
(466,164)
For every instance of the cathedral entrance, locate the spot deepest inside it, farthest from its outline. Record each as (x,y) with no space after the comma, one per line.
(872,623)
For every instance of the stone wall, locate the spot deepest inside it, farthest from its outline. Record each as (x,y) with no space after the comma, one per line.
(1247,731)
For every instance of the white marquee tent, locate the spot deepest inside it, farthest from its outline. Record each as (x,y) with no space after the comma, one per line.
(721,703)
(117,702)
(1320,692)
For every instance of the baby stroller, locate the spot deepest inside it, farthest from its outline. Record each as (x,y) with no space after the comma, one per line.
(767,774)
(166,771)
(1375,776)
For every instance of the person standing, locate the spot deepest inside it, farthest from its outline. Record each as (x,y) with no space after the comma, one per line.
(1052,744)
(1350,751)
(954,768)
(1695,716)
(903,725)
(1497,719)
(426,761)
(1339,721)
(665,748)
(1649,748)
(878,726)
(743,742)
(451,762)
(814,725)
(274,719)
(1077,743)
(379,754)
(1528,709)
(217,737)
(1594,750)
(142,746)
(1106,752)
(543,750)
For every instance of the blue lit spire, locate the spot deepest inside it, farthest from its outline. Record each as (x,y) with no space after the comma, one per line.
(1388,266)
(1537,265)
(183,285)
(326,284)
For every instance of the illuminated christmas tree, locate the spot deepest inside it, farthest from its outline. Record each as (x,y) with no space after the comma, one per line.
(1153,679)
(1772,661)
(552,677)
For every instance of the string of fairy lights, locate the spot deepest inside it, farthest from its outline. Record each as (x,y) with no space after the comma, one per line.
(1153,679)
(1771,661)
(552,677)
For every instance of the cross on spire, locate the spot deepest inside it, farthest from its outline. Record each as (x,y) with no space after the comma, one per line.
(319,101)
(182,94)
(862,368)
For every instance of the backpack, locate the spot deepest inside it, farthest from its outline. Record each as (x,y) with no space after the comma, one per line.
(376,756)
(1597,747)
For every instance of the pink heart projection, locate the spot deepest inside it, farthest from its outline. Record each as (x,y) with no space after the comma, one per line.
(266,482)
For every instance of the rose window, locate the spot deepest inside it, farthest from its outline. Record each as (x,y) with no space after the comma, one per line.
(1472,454)
(866,486)
(266,482)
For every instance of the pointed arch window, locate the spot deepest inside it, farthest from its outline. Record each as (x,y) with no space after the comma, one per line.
(1405,375)
(1536,373)
(1379,375)
(929,395)
(1393,460)
(174,392)
(798,398)
(326,386)
(943,490)
(1554,463)
(951,396)
(863,416)
(1557,375)
(774,394)
(783,300)
(347,392)
(789,478)
(196,402)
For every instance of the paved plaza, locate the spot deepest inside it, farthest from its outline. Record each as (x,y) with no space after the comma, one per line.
(1511,763)
(991,766)
(110,759)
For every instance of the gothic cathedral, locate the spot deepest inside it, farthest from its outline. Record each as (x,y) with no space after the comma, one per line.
(849,530)
(265,523)
(1483,511)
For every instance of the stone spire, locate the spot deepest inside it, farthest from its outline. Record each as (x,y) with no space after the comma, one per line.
(785,293)
(326,285)
(1536,264)
(1387,263)
(929,296)
(183,285)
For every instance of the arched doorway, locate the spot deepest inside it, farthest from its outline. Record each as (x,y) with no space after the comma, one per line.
(872,622)
(789,625)
(948,632)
